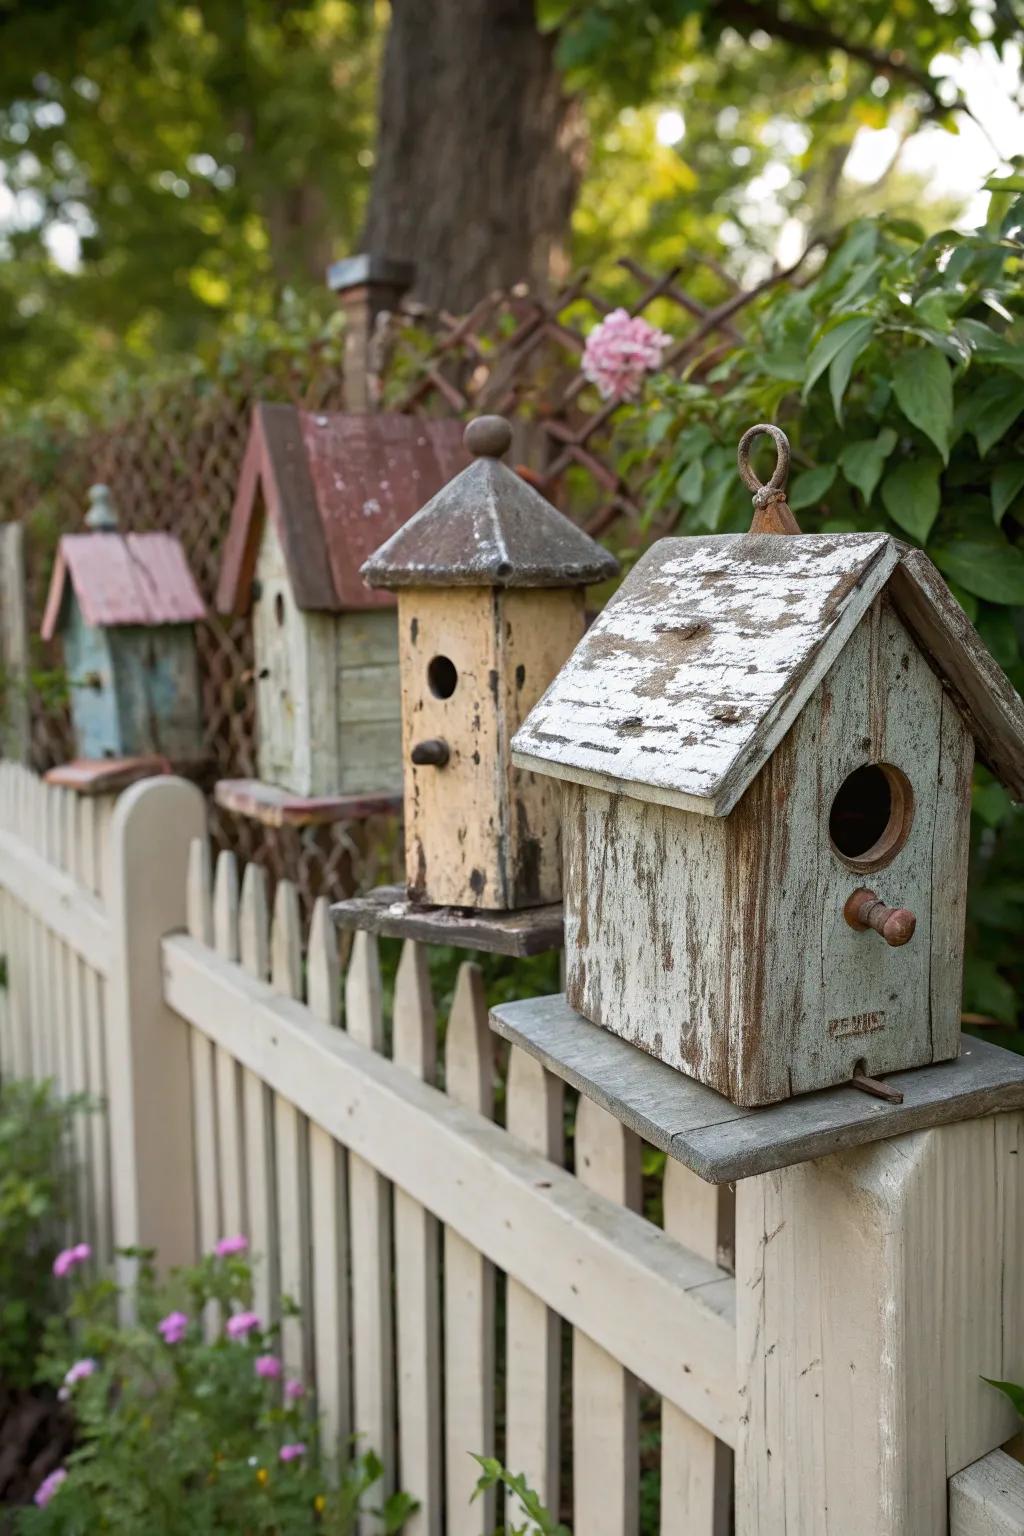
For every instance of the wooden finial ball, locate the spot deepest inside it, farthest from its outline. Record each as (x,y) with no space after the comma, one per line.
(101,516)
(488,437)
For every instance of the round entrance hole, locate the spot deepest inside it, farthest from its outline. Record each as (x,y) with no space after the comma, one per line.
(871,816)
(443,677)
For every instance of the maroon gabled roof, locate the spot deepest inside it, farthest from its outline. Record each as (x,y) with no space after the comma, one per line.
(336,486)
(135,578)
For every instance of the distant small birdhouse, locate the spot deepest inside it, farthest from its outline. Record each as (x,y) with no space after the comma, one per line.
(316,494)
(490,580)
(766,743)
(125,607)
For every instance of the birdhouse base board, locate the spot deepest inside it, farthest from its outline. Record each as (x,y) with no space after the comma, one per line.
(276,807)
(722,1142)
(389,912)
(106,775)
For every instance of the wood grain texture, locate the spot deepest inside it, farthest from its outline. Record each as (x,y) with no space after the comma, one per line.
(722,1141)
(760,1021)
(273,806)
(875,1296)
(257,1106)
(389,912)
(605,1399)
(479,833)
(291,1149)
(987,1498)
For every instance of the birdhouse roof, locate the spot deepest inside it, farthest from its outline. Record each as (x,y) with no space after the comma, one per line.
(689,679)
(489,528)
(133,578)
(334,485)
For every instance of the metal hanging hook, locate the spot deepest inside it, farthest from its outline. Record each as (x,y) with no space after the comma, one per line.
(772,513)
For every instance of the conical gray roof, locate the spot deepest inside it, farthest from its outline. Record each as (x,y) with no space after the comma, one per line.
(488,528)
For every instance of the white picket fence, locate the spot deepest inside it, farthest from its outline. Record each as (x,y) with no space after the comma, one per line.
(462,1290)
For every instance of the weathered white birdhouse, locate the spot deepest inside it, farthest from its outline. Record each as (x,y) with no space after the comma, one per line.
(125,607)
(766,743)
(490,580)
(317,493)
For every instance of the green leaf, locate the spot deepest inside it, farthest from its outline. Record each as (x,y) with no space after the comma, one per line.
(855,333)
(923,385)
(993,571)
(1009,1388)
(862,462)
(993,409)
(910,495)
(810,486)
(1007,481)
(691,483)
(1004,184)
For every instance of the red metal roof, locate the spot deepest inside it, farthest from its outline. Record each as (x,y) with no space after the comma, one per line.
(336,486)
(136,578)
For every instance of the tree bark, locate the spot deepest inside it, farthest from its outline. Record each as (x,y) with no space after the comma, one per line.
(479,151)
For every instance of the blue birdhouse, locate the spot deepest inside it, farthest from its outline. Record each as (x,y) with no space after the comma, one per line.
(125,607)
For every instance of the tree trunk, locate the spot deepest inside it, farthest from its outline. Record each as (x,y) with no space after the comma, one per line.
(479,150)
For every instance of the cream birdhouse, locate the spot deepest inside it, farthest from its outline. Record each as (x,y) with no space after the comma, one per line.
(490,581)
(317,493)
(766,744)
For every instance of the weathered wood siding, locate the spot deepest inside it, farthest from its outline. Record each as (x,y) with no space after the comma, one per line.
(328,710)
(478,832)
(156,676)
(90,672)
(721,947)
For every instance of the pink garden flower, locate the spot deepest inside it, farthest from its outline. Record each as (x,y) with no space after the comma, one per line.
(242,1324)
(268,1366)
(48,1487)
(292,1452)
(173,1327)
(78,1372)
(293,1390)
(619,352)
(229,1246)
(68,1258)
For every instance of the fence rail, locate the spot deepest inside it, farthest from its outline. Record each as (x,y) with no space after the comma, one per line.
(471,1286)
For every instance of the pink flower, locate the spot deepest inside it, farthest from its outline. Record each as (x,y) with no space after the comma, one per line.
(268,1366)
(172,1328)
(48,1487)
(242,1324)
(619,352)
(292,1452)
(78,1372)
(293,1390)
(229,1246)
(66,1260)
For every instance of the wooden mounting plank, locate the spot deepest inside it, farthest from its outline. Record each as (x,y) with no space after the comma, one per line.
(389,912)
(721,1141)
(107,775)
(276,807)
(987,1498)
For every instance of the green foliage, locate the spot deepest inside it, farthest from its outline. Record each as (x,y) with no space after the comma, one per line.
(898,373)
(1010,1390)
(185,1436)
(35,1201)
(538,1521)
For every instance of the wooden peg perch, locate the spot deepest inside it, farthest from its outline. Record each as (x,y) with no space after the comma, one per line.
(865,910)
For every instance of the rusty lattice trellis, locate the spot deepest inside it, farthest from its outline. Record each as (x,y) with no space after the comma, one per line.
(172,462)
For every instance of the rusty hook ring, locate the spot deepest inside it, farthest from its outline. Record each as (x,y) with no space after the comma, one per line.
(775,489)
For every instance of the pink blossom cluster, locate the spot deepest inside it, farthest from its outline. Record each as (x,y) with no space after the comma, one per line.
(268,1367)
(293,1390)
(620,352)
(76,1373)
(241,1324)
(173,1327)
(48,1487)
(228,1247)
(69,1258)
(292,1452)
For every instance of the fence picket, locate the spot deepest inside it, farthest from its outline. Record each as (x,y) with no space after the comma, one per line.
(328,1179)
(199,908)
(229,1120)
(291,1147)
(79,1045)
(469,1344)
(417,1272)
(369,1203)
(534,1115)
(604,1395)
(257,1108)
(93,876)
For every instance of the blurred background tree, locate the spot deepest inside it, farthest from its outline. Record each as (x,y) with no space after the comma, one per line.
(168,172)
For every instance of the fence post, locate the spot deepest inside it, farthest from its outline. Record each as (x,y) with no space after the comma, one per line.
(15,725)
(150,1112)
(875,1289)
